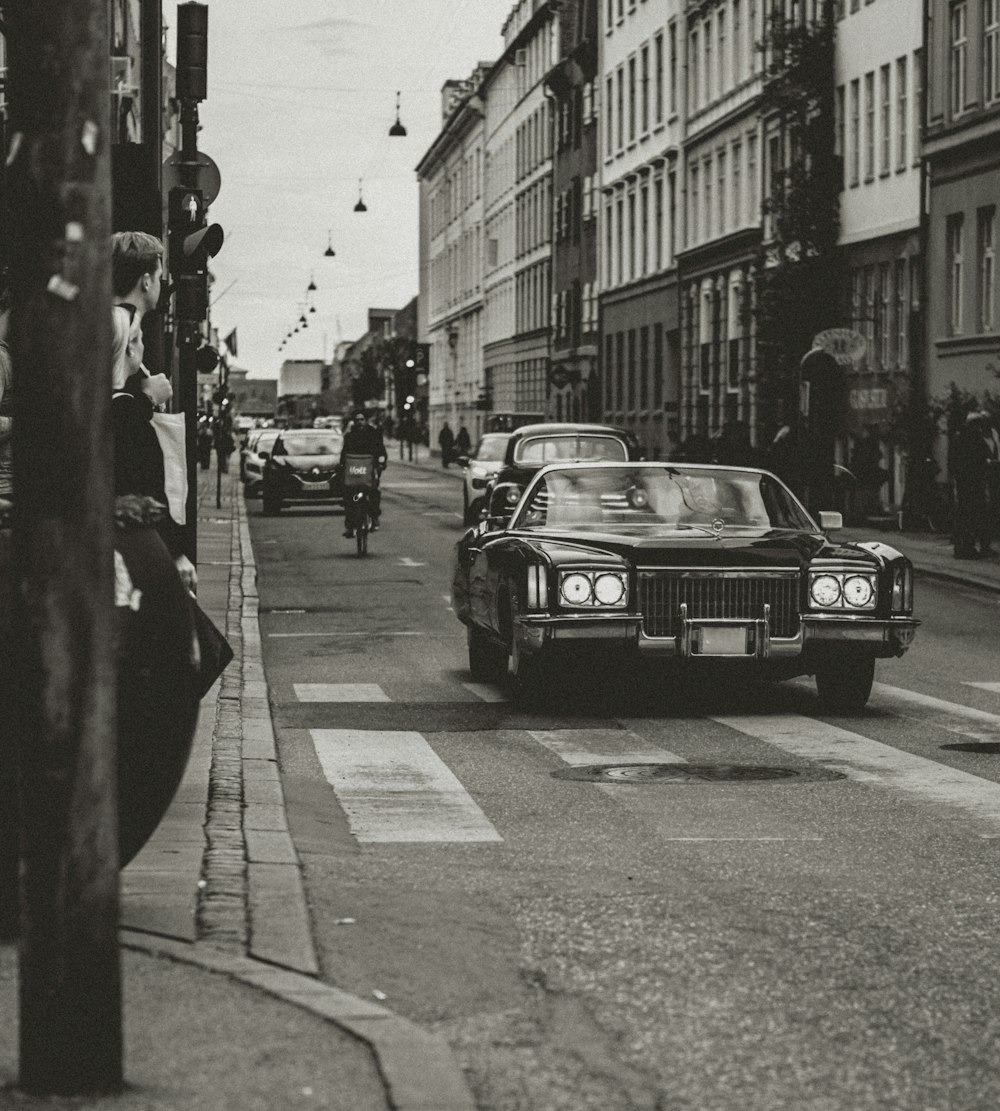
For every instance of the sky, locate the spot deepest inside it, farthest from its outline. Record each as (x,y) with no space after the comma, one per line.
(301,96)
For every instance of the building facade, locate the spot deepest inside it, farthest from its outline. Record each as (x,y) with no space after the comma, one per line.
(878,66)
(451,271)
(574,387)
(517,278)
(723,169)
(962,153)
(639,212)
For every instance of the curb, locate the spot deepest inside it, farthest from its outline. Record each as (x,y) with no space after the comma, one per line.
(253,900)
(417,1068)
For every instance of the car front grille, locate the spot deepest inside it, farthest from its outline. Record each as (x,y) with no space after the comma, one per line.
(711,595)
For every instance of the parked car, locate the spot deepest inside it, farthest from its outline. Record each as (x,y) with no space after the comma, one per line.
(252,457)
(708,565)
(481,468)
(303,466)
(532,446)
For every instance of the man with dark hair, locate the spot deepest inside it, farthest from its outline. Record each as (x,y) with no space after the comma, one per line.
(136,270)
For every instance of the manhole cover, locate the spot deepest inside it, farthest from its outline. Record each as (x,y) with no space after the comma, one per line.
(975,746)
(690,773)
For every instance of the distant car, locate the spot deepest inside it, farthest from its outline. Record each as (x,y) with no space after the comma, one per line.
(532,446)
(326,422)
(252,457)
(695,564)
(303,466)
(481,468)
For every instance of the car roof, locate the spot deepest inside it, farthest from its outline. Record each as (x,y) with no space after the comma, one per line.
(660,464)
(564,428)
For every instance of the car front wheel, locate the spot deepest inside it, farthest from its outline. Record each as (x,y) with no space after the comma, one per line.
(844,684)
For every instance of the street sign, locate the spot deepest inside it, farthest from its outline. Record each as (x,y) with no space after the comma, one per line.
(198,173)
(846,345)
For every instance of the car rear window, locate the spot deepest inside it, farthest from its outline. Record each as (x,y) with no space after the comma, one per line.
(569,449)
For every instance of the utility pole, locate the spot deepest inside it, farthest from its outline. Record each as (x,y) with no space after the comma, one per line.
(64,690)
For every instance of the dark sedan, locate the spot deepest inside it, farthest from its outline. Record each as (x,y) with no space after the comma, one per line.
(704,564)
(303,467)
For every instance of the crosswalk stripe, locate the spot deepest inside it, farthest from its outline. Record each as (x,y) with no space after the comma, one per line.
(340,692)
(579,747)
(953,717)
(395,788)
(868,761)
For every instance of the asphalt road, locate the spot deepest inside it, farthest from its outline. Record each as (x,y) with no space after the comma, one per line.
(818,942)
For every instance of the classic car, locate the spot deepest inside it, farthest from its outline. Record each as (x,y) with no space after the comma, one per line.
(532,446)
(702,565)
(303,466)
(480,469)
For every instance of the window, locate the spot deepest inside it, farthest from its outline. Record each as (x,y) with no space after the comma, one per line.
(856,300)
(959,55)
(869,308)
(694,231)
(737,45)
(657,366)
(885,121)
(991,51)
(631,100)
(986,239)
(902,113)
(953,238)
(658,78)
(720,26)
(753,197)
(644,90)
(644,367)
(720,166)
(672,32)
(672,244)
(658,223)
(884,303)
(609,369)
(620,372)
(840,123)
(855,153)
(709,76)
(693,69)
(644,230)
(737,183)
(902,316)
(609,118)
(707,185)
(631,236)
(609,245)
(621,107)
(869,126)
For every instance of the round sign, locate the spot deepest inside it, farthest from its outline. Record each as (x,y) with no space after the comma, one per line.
(846,345)
(197,173)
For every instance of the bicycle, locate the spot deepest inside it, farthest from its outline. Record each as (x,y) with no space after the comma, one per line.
(361,474)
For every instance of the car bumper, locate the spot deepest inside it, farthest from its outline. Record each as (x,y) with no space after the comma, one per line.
(719,638)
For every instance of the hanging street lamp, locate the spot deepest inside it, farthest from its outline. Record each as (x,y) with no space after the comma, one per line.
(397,130)
(360,206)
(329,252)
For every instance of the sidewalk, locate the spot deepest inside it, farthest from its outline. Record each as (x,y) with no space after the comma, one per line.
(223,1007)
(930,552)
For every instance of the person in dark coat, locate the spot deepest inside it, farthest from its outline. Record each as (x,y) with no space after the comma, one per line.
(463,443)
(446,441)
(362,439)
(970,472)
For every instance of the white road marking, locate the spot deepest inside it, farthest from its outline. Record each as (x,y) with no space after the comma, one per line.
(340,692)
(868,761)
(953,717)
(486,693)
(994,687)
(407,562)
(578,747)
(710,839)
(395,788)
(373,633)
(440,513)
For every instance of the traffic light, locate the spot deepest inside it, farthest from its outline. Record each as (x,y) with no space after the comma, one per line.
(193,242)
(192,51)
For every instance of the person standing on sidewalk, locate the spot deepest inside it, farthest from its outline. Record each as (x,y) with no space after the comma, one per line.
(446,441)
(970,465)
(463,443)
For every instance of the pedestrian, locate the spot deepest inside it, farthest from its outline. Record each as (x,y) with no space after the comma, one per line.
(362,439)
(463,442)
(446,441)
(136,282)
(138,457)
(205,438)
(970,466)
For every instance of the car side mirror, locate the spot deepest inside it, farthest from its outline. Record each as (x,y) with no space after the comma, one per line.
(462,460)
(830,520)
(503,501)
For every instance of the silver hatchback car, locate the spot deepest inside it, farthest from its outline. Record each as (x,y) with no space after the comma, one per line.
(482,468)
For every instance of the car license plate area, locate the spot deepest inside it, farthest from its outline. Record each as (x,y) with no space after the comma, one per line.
(315,486)
(722,640)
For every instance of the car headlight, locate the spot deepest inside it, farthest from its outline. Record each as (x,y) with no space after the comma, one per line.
(858,591)
(576,589)
(902,589)
(609,590)
(593,589)
(825,590)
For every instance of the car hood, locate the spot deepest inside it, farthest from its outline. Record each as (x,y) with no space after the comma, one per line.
(747,548)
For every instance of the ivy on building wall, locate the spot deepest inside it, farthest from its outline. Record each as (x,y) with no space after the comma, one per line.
(800,278)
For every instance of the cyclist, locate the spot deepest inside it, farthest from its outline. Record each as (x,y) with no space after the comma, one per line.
(362,438)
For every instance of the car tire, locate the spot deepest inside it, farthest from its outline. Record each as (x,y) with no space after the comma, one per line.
(271,504)
(487,659)
(845,684)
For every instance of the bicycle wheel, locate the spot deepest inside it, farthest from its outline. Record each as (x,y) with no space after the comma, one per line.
(361,525)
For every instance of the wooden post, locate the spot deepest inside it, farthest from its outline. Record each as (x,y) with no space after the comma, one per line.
(59,179)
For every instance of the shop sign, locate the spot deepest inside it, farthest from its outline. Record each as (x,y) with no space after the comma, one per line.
(847,346)
(868,399)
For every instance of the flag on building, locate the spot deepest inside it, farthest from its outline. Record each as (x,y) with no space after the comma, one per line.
(230,342)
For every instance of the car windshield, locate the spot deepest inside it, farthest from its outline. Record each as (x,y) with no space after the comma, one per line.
(654,499)
(537,450)
(312,443)
(492,447)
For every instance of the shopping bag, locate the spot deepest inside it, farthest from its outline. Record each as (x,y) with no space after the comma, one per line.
(170,431)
